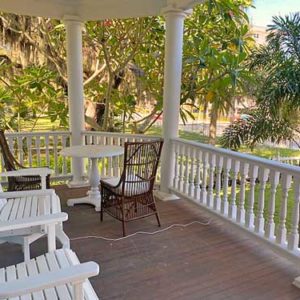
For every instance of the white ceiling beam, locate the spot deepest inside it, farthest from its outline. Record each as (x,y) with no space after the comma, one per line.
(184,4)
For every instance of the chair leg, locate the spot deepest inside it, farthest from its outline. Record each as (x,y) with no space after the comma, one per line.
(62,237)
(124,228)
(101,214)
(158,219)
(26,249)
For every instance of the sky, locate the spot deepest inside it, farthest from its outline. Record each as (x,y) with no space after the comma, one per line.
(265,9)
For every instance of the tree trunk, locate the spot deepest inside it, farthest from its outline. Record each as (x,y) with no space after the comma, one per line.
(213,125)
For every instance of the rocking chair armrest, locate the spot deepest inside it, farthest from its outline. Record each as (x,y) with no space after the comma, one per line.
(43,172)
(33,221)
(74,274)
(27,193)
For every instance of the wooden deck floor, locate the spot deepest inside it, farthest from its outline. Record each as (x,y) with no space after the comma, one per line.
(197,262)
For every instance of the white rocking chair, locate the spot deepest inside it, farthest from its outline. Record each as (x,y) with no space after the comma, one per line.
(19,205)
(54,275)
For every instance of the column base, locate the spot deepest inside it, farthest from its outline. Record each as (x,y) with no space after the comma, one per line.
(78,183)
(164,196)
(296,282)
(86,200)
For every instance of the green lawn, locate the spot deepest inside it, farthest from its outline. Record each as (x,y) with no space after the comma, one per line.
(261,151)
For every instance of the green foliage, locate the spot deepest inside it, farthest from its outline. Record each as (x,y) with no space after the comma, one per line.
(124,61)
(216,49)
(29,95)
(255,128)
(277,66)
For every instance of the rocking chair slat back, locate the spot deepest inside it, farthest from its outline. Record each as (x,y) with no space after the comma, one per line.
(11,164)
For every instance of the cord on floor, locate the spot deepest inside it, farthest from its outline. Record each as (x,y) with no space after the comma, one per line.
(140,232)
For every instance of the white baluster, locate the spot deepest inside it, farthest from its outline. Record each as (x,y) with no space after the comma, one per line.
(224,200)
(203,198)
(219,167)
(197,190)
(293,238)
(186,169)
(20,149)
(240,217)
(192,173)
(109,159)
(38,150)
(29,149)
(47,150)
(55,150)
(253,173)
(176,162)
(64,145)
(180,181)
(281,232)
(260,220)
(270,226)
(232,206)
(211,183)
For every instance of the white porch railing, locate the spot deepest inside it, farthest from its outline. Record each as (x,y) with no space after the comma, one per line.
(261,196)
(36,149)
(112,166)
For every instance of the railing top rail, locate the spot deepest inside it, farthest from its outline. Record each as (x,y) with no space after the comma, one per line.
(120,134)
(251,159)
(37,133)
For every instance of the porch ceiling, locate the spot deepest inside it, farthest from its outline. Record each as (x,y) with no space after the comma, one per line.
(92,9)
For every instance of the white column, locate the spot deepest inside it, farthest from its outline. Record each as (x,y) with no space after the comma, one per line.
(172,90)
(75,91)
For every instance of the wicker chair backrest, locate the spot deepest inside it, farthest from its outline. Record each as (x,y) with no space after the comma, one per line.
(10,163)
(140,166)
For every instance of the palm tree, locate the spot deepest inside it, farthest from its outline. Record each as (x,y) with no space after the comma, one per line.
(277,64)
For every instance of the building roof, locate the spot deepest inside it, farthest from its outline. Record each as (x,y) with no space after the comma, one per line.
(87,10)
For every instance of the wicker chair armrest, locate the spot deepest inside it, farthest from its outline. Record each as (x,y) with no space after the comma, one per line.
(115,189)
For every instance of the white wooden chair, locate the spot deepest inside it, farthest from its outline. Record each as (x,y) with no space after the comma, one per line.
(15,206)
(57,274)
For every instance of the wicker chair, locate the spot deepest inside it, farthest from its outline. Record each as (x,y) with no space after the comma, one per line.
(10,164)
(131,196)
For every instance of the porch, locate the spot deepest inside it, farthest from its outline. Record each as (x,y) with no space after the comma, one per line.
(212,261)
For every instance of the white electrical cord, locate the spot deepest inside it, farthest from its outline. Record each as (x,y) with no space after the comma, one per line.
(140,232)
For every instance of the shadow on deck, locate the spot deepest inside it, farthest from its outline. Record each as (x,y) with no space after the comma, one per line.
(197,262)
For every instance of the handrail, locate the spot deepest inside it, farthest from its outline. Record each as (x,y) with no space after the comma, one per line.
(119,134)
(268,163)
(36,133)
